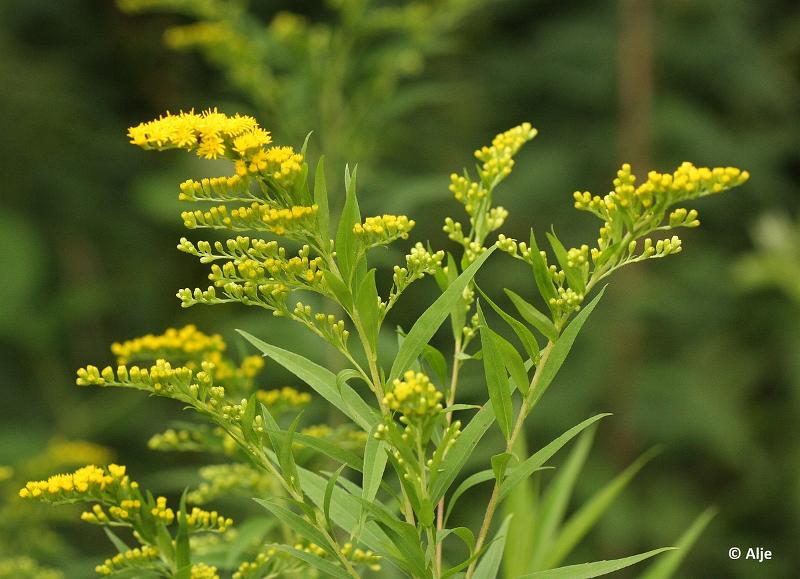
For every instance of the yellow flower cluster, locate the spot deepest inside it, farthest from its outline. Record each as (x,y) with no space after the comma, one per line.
(162,512)
(288,221)
(87,481)
(283,164)
(197,34)
(414,396)
(210,133)
(203,571)
(130,559)
(222,480)
(185,343)
(295,271)
(286,396)
(498,159)
(202,520)
(233,188)
(383,229)
(161,378)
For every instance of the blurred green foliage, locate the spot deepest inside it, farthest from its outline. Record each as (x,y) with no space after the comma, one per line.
(695,358)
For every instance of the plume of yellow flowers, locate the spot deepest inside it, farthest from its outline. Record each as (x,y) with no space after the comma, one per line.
(414,396)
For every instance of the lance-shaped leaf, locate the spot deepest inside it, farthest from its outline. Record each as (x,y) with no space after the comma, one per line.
(322,380)
(525,336)
(430,321)
(556,499)
(584,519)
(533,316)
(529,465)
(574,275)
(596,569)
(494,369)
(490,563)
(321,200)
(366,303)
(665,566)
(457,456)
(561,349)
(328,569)
(347,243)
(298,524)
(540,272)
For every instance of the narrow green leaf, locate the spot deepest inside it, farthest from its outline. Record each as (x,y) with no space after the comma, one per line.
(540,273)
(525,336)
(347,244)
(574,275)
(328,569)
(436,361)
(326,502)
(489,565)
(118,543)
(556,498)
(427,324)
(183,556)
(496,377)
(596,569)
(457,456)
(321,200)
(529,465)
(286,455)
(533,316)
(499,464)
(465,485)
(322,380)
(562,347)
(298,524)
(367,307)
(665,567)
(522,502)
(329,449)
(375,457)
(339,289)
(514,365)
(580,523)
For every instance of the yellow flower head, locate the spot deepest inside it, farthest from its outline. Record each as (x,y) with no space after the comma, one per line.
(414,396)
(383,229)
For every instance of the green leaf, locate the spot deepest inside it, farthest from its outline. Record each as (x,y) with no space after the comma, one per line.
(466,484)
(322,380)
(525,336)
(596,569)
(522,502)
(427,324)
(326,502)
(496,378)
(436,361)
(514,365)
(574,275)
(183,558)
(490,563)
(406,538)
(533,316)
(367,307)
(584,519)
(298,524)
(347,243)
(556,499)
(328,569)
(339,289)
(666,566)
(329,449)
(286,455)
(529,465)
(561,349)
(118,543)
(374,466)
(540,273)
(499,464)
(321,200)
(463,448)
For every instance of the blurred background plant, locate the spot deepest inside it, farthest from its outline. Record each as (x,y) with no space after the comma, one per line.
(714,378)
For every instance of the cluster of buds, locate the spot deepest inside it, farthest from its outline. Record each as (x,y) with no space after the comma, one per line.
(130,560)
(414,396)
(383,229)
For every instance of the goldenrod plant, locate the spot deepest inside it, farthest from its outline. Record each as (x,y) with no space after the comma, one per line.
(405,437)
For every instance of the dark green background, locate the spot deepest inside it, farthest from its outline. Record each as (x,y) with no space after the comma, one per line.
(682,352)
